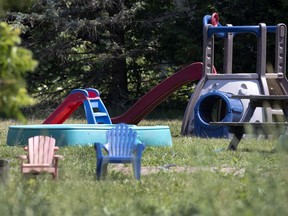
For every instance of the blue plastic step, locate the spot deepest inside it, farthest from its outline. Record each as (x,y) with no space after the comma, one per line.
(100,114)
(96,112)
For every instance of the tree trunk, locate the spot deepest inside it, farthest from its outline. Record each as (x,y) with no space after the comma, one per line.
(118,89)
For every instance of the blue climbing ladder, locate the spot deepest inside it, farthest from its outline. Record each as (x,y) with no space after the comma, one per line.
(95,110)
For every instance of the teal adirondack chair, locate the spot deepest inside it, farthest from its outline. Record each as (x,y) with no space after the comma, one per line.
(122,146)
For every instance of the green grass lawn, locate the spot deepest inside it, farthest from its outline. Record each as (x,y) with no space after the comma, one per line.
(203,179)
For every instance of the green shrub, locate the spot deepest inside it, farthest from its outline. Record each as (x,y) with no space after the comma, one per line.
(15,61)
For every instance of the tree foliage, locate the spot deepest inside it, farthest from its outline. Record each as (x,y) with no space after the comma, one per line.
(114,46)
(15,61)
(124,48)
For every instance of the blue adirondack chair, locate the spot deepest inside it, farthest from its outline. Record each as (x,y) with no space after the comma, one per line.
(122,146)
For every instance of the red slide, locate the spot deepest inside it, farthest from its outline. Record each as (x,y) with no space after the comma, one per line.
(159,93)
(66,108)
(141,108)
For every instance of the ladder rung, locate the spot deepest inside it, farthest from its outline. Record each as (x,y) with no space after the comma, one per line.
(99,114)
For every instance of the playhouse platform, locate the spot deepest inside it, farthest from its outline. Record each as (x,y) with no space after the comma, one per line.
(85,134)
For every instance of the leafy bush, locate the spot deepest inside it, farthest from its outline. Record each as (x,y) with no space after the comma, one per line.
(15,61)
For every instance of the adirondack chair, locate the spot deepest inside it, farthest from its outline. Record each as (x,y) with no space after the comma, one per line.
(122,146)
(41,156)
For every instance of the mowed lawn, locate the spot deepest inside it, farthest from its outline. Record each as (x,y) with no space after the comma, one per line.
(193,177)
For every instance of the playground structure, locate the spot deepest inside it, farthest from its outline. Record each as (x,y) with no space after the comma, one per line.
(210,101)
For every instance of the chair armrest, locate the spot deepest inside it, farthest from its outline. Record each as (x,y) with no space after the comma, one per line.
(139,149)
(58,157)
(56,148)
(98,148)
(22,157)
(25,148)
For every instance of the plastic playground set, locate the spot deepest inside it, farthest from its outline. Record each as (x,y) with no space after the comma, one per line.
(210,101)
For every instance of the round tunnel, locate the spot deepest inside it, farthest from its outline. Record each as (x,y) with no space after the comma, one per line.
(216,106)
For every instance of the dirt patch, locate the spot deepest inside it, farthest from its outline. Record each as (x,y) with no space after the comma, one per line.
(145,170)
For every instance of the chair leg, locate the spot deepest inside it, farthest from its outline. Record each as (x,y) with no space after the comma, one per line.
(55,175)
(98,169)
(104,170)
(101,169)
(137,168)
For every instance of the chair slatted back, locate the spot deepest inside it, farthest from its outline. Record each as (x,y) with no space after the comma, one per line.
(41,149)
(121,140)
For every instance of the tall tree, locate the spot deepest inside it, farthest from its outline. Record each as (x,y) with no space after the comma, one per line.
(83,44)
(123,48)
